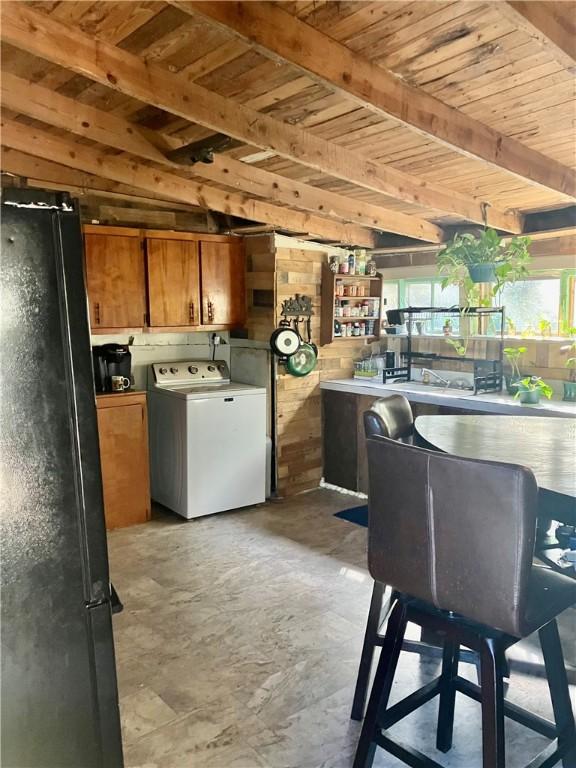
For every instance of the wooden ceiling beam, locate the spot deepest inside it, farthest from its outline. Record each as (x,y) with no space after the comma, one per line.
(275,31)
(551,24)
(37,171)
(50,107)
(23,97)
(168,185)
(61,44)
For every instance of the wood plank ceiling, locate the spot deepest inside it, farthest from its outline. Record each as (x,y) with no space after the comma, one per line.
(349,118)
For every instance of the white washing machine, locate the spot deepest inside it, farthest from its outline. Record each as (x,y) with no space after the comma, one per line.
(207,438)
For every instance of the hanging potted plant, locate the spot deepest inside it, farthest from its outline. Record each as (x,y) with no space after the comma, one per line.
(530,389)
(487,257)
(513,355)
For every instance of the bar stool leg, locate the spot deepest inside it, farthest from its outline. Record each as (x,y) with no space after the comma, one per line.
(493,751)
(377,609)
(559,691)
(382,686)
(447,695)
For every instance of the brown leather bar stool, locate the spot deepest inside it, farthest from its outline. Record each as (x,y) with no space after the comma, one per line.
(425,509)
(388,417)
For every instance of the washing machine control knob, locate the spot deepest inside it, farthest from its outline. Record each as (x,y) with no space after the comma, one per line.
(211,368)
(162,370)
(173,370)
(192,369)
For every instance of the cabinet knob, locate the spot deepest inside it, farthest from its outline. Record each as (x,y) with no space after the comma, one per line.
(191,310)
(97,313)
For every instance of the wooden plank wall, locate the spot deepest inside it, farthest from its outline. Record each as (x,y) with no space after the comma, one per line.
(298,412)
(260,286)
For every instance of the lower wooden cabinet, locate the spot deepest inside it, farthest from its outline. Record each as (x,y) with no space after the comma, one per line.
(123,436)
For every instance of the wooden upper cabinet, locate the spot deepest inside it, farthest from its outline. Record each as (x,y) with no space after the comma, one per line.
(173,282)
(222,281)
(115,281)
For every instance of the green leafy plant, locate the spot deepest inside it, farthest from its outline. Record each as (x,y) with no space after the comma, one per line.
(544,327)
(534,384)
(511,259)
(457,345)
(513,355)
(511,326)
(571,361)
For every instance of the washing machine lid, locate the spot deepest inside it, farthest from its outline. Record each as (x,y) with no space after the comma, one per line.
(208,390)
(198,379)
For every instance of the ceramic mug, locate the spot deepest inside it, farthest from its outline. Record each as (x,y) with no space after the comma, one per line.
(119,383)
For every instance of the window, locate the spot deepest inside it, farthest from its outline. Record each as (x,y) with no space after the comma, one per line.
(544,304)
(429,293)
(422,292)
(532,306)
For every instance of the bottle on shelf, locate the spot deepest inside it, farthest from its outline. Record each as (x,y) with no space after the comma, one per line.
(352,264)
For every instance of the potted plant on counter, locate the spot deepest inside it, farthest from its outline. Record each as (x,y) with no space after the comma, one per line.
(531,388)
(487,257)
(513,355)
(570,385)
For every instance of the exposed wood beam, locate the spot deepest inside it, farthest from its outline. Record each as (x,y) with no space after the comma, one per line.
(90,160)
(275,31)
(61,44)
(38,172)
(551,24)
(23,97)
(552,249)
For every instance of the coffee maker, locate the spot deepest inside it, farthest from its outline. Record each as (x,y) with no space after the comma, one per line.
(110,360)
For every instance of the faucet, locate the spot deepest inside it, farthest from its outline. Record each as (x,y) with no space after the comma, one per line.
(439,378)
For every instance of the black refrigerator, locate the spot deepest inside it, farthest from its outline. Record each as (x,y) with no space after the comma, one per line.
(59,691)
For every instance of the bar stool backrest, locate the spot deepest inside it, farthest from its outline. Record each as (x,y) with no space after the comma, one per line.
(457,533)
(389,417)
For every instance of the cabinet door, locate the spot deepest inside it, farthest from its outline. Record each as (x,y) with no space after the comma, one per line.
(222,279)
(115,281)
(123,437)
(173,282)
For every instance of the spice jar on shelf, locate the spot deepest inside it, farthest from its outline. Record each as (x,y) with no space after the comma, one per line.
(343,266)
(339,288)
(352,264)
(345,309)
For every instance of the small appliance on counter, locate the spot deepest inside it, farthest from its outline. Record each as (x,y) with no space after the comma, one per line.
(112,361)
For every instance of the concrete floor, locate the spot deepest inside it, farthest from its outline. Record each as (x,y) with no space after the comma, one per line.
(240,639)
